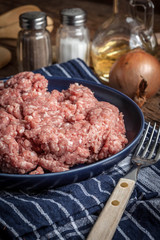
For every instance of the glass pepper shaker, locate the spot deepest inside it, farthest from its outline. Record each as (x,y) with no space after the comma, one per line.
(34,44)
(72,38)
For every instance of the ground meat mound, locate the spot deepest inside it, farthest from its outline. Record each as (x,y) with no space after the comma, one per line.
(42,131)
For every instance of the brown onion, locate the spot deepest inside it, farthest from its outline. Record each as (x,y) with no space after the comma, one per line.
(137,74)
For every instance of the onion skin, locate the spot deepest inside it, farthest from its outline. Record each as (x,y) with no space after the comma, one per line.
(136,74)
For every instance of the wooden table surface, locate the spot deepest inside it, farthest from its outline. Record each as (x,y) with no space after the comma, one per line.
(97,13)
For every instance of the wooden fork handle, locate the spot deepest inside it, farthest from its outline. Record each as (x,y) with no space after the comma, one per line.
(112,212)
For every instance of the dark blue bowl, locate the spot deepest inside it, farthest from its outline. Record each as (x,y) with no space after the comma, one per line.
(134,122)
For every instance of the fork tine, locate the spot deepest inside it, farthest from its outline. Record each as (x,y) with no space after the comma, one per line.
(154,146)
(149,142)
(142,141)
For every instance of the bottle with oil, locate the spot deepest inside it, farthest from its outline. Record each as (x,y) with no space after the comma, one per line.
(131,26)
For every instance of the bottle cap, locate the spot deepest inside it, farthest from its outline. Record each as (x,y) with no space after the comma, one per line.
(73,16)
(33,20)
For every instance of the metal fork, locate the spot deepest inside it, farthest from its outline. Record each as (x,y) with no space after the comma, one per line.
(111,214)
(141,158)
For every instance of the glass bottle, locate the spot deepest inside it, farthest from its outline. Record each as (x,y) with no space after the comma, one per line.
(72,38)
(128,28)
(34,44)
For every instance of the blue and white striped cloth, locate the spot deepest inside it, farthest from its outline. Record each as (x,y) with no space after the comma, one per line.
(69,212)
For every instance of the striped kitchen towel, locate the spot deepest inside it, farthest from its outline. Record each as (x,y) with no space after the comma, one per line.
(69,212)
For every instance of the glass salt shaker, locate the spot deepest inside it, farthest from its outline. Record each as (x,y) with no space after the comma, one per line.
(34,44)
(72,38)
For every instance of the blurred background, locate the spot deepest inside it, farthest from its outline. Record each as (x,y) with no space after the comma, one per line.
(97,12)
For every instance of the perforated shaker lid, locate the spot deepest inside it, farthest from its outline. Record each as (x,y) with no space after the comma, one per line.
(73,16)
(33,20)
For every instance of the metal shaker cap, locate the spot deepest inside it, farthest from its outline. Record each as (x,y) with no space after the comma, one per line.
(33,20)
(73,16)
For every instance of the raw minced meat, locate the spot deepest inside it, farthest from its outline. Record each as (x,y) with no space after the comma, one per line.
(42,131)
